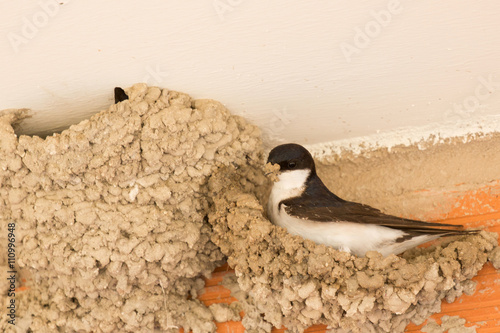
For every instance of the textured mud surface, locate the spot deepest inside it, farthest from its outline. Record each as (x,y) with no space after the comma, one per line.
(394,180)
(449,324)
(296,283)
(110,214)
(120,217)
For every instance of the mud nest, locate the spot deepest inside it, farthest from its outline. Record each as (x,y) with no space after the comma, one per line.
(111,214)
(120,217)
(296,283)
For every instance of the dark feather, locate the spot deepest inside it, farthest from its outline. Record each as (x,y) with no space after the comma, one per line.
(120,95)
(317,203)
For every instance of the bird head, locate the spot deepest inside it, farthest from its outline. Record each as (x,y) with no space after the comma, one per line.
(291,157)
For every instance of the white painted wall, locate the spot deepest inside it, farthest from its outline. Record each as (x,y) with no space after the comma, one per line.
(282,64)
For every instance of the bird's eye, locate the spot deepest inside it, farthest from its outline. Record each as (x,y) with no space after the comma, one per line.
(292,164)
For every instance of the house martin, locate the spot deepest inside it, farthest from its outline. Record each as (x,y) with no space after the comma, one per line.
(301,203)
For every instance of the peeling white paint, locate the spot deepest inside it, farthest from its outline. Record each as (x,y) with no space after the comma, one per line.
(467,130)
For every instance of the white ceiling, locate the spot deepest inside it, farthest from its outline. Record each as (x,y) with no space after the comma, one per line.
(303,71)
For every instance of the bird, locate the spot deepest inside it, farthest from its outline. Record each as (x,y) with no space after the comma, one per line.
(120,95)
(301,203)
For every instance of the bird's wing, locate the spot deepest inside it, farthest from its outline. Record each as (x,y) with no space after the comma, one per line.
(347,211)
